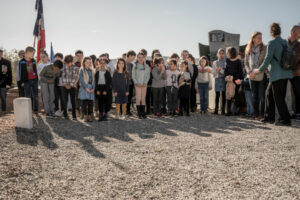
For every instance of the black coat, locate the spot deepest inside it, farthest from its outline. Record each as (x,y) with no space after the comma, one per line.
(108,82)
(5,79)
(235,69)
(184,91)
(23,68)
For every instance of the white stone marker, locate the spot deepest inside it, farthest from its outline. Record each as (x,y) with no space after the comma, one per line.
(23,113)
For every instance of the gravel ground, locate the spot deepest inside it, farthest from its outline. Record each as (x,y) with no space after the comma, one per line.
(197,157)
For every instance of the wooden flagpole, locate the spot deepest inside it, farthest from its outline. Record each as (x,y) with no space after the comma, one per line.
(34,41)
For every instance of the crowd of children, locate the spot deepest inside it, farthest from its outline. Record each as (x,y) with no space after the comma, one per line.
(87,85)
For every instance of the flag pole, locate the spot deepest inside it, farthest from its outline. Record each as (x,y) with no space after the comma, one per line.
(34,41)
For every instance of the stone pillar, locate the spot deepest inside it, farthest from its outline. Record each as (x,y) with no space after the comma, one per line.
(23,113)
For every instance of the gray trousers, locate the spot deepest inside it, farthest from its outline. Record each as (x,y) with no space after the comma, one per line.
(172,98)
(48,96)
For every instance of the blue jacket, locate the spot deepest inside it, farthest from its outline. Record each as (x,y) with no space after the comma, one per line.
(83,94)
(274,49)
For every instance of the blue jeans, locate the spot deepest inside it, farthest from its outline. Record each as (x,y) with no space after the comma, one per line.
(203,93)
(31,90)
(3,98)
(249,101)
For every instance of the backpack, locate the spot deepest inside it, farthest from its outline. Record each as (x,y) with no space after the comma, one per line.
(288,58)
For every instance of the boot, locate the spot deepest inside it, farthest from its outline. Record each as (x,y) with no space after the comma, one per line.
(216,111)
(85,118)
(139,114)
(143,112)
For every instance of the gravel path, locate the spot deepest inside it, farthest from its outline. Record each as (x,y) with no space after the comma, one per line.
(200,157)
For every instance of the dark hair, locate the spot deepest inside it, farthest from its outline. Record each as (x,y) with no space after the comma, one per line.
(157,55)
(275,29)
(130,53)
(107,55)
(158,60)
(204,58)
(141,53)
(186,64)
(93,57)
(144,51)
(45,53)
(154,52)
(103,59)
(29,49)
(193,58)
(69,59)
(78,52)
(117,67)
(173,60)
(232,52)
(185,51)
(58,64)
(60,55)
(174,55)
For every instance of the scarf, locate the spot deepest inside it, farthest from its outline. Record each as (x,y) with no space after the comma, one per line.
(254,57)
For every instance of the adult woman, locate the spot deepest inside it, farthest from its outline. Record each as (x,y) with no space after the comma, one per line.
(254,57)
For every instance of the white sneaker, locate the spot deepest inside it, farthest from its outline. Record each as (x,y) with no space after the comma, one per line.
(117,117)
(123,117)
(58,113)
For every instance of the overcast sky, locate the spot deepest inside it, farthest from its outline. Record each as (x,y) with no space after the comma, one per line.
(115,26)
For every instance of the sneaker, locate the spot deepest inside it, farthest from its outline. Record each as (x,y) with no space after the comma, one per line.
(283,123)
(264,120)
(58,113)
(123,117)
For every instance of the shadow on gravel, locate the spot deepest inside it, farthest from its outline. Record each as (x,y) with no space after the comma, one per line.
(41,131)
(87,133)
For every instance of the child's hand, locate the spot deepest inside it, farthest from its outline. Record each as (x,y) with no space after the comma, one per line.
(218,69)
(92,91)
(115,94)
(208,70)
(88,90)
(127,93)
(104,93)
(238,82)
(98,92)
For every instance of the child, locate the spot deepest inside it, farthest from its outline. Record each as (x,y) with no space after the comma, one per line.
(233,72)
(121,87)
(204,81)
(47,78)
(140,77)
(44,62)
(70,74)
(220,84)
(58,88)
(184,92)
(87,87)
(171,77)
(193,103)
(103,86)
(248,95)
(17,73)
(158,84)
(29,77)
(130,56)
(77,63)
(5,78)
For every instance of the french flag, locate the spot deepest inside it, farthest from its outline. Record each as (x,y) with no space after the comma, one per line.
(39,28)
